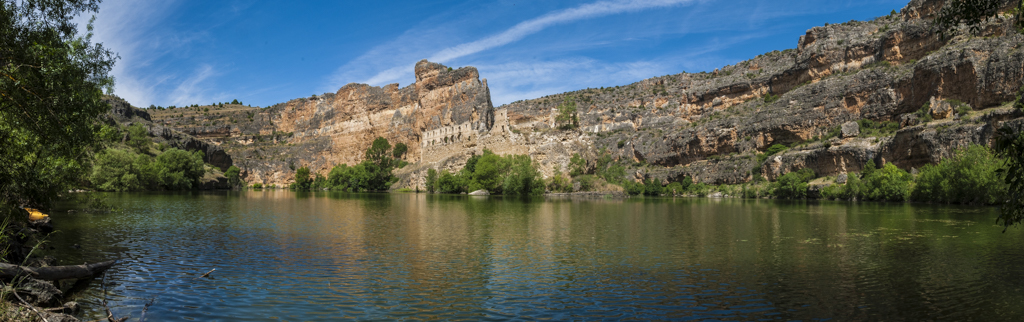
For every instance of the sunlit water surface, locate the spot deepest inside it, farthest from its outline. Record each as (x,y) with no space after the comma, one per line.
(318,256)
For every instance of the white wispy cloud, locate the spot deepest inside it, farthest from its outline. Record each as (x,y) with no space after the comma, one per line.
(190,90)
(136,31)
(532,26)
(393,61)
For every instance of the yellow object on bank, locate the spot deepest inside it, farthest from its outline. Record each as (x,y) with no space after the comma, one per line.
(34,214)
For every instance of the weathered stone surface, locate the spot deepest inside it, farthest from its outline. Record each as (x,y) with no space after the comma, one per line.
(38,292)
(123,113)
(851,129)
(841,179)
(939,109)
(481,192)
(709,126)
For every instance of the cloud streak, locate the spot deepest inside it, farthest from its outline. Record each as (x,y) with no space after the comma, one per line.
(391,62)
(532,26)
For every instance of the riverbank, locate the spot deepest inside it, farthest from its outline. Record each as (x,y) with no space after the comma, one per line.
(24,298)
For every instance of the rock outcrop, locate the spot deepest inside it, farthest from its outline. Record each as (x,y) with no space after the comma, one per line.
(123,113)
(709,126)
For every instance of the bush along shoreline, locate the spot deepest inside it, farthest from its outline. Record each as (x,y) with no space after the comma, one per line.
(972,176)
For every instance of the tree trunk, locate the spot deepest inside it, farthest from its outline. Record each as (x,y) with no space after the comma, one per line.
(53,273)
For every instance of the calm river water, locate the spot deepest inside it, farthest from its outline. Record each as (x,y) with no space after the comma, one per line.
(291,256)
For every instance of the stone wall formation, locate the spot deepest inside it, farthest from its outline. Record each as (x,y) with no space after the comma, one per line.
(453,141)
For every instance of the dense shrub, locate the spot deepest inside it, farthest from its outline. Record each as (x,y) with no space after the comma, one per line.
(653,187)
(792,185)
(373,174)
(523,178)
(138,137)
(772,150)
(449,183)
(633,188)
(577,165)
(886,184)
(559,183)
(869,128)
(587,182)
(674,189)
(123,170)
(233,176)
(302,179)
(118,170)
(399,151)
(970,176)
(431,180)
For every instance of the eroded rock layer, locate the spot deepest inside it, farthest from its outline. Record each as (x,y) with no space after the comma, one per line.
(710,126)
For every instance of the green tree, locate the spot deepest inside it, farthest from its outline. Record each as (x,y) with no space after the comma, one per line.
(970,176)
(449,183)
(302,179)
(567,117)
(887,184)
(558,182)
(522,179)
(378,165)
(489,172)
(117,170)
(431,180)
(51,80)
(138,138)
(400,150)
(233,175)
(633,188)
(1010,145)
(969,12)
(577,165)
(792,185)
(653,187)
(179,169)
(378,152)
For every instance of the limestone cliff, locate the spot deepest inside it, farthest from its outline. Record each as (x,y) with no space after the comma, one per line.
(888,72)
(334,128)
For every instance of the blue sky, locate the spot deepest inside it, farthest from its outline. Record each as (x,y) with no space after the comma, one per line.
(181,52)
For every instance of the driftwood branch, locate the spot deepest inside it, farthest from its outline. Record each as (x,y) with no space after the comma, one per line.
(53,273)
(208,273)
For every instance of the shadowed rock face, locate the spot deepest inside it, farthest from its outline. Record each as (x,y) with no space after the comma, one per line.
(122,112)
(709,126)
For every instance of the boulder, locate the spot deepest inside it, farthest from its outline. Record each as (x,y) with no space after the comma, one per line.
(851,129)
(841,179)
(940,109)
(480,192)
(39,292)
(44,225)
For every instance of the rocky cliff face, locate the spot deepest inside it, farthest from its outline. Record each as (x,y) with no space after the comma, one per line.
(323,131)
(123,113)
(710,126)
(882,70)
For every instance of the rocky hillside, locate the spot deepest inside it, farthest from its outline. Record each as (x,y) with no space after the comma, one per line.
(711,125)
(888,90)
(123,113)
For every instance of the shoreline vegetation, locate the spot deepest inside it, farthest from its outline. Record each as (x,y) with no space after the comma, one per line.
(972,176)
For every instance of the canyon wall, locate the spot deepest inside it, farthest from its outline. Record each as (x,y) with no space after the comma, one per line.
(711,126)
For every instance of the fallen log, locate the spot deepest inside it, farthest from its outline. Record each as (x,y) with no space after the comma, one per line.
(53,273)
